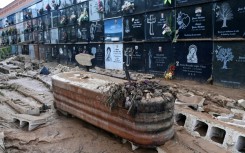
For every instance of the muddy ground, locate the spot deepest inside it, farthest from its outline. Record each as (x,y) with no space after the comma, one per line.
(62,134)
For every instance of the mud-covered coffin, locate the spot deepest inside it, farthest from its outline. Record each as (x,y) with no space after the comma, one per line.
(83,95)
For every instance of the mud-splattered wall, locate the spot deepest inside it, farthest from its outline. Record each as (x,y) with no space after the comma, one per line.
(202,38)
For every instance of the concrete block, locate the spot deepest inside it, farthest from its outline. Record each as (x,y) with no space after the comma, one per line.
(31,121)
(241,102)
(222,134)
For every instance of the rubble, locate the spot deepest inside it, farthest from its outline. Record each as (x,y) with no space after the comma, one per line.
(241,102)
(2,148)
(31,121)
(21,107)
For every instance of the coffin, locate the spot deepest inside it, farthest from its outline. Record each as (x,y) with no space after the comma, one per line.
(83,95)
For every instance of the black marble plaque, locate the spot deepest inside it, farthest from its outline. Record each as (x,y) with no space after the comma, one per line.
(26,37)
(229,16)
(112,8)
(83,13)
(54,19)
(136,6)
(35,36)
(47,21)
(134,28)
(82,48)
(41,37)
(159,25)
(194,21)
(152,5)
(48,54)
(158,57)
(72,37)
(71,53)
(98,50)
(63,54)
(83,32)
(54,52)
(193,60)
(35,24)
(41,24)
(63,18)
(229,63)
(63,35)
(47,37)
(190,2)
(134,56)
(96,31)
(72,15)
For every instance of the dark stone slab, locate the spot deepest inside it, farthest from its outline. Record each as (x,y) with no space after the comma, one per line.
(98,50)
(63,54)
(158,57)
(229,16)
(155,25)
(112,8)
(194,21)
(47,21)
(72,15)
(96,31)
(62,18)
(54,19)
(63,35)
(134,56)
(194,60)
(229,63)
(72,34)
(134,28)
(153,5)
(83,32)
(82,9)
(190,2)
(71,53)
(47,37)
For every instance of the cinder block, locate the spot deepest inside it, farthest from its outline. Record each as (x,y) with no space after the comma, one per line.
(231,138)
(180,119)
(217,135)
(201,128)
(240,144)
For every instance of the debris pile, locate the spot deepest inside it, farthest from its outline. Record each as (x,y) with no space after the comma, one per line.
(222,108)
(135,96)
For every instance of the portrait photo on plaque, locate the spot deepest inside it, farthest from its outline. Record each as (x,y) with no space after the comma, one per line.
(114,56)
